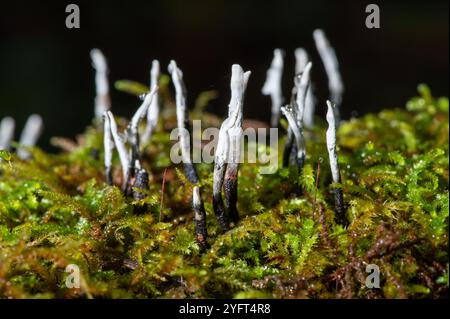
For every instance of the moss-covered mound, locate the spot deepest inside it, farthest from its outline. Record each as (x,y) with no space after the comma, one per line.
(56,210)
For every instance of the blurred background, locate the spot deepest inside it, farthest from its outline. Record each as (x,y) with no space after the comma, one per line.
(45,68)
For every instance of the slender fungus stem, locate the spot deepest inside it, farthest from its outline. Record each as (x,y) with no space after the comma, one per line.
(220,159)
(183,122)
(272,86)
(122,150)
(331,145)
(141,183)
(290,149)
(153,110)
(108,144)
(294,115)
(30,134)
(102,99)
(291,115)
(7,126)
(301,60)
(331,64)
(298,102)
(200,218)
(302,85)
(133,128)
(226,162)
(189,169)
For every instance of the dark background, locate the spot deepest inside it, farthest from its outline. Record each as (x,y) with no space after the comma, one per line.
(45,68)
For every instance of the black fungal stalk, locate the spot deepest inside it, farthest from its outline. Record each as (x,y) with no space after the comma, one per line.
(231,175)
(218,205)
(230,190)
(140,183)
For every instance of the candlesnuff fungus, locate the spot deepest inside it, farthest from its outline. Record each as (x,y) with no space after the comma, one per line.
(301,59)
(290,112)
(272,86)
(153,110)
(129,160)
(121,149)
(108,145)
(102,99)
(30,134)
(302,87)
(294,115)
(336,176)
(183,122)
(189,169)
(133,127)
(54,213)
(6,132)
(331,64)
(226,158)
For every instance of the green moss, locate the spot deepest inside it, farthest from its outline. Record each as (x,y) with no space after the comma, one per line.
(56,210)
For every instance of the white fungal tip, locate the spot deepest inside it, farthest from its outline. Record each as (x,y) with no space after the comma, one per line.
(331,64)
(301,59)
(247,76)
(274,73)
(102,100)
(277,61)
(238,85)
(239,78)
(173,66)
(7,126)
(33,128)
(236,71)
(319,36)
(30,134)
(98,60)
(301,54)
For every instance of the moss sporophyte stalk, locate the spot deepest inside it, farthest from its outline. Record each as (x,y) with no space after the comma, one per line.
(346,196)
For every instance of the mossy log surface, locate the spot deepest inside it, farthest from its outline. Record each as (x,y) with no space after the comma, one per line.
(57,210)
